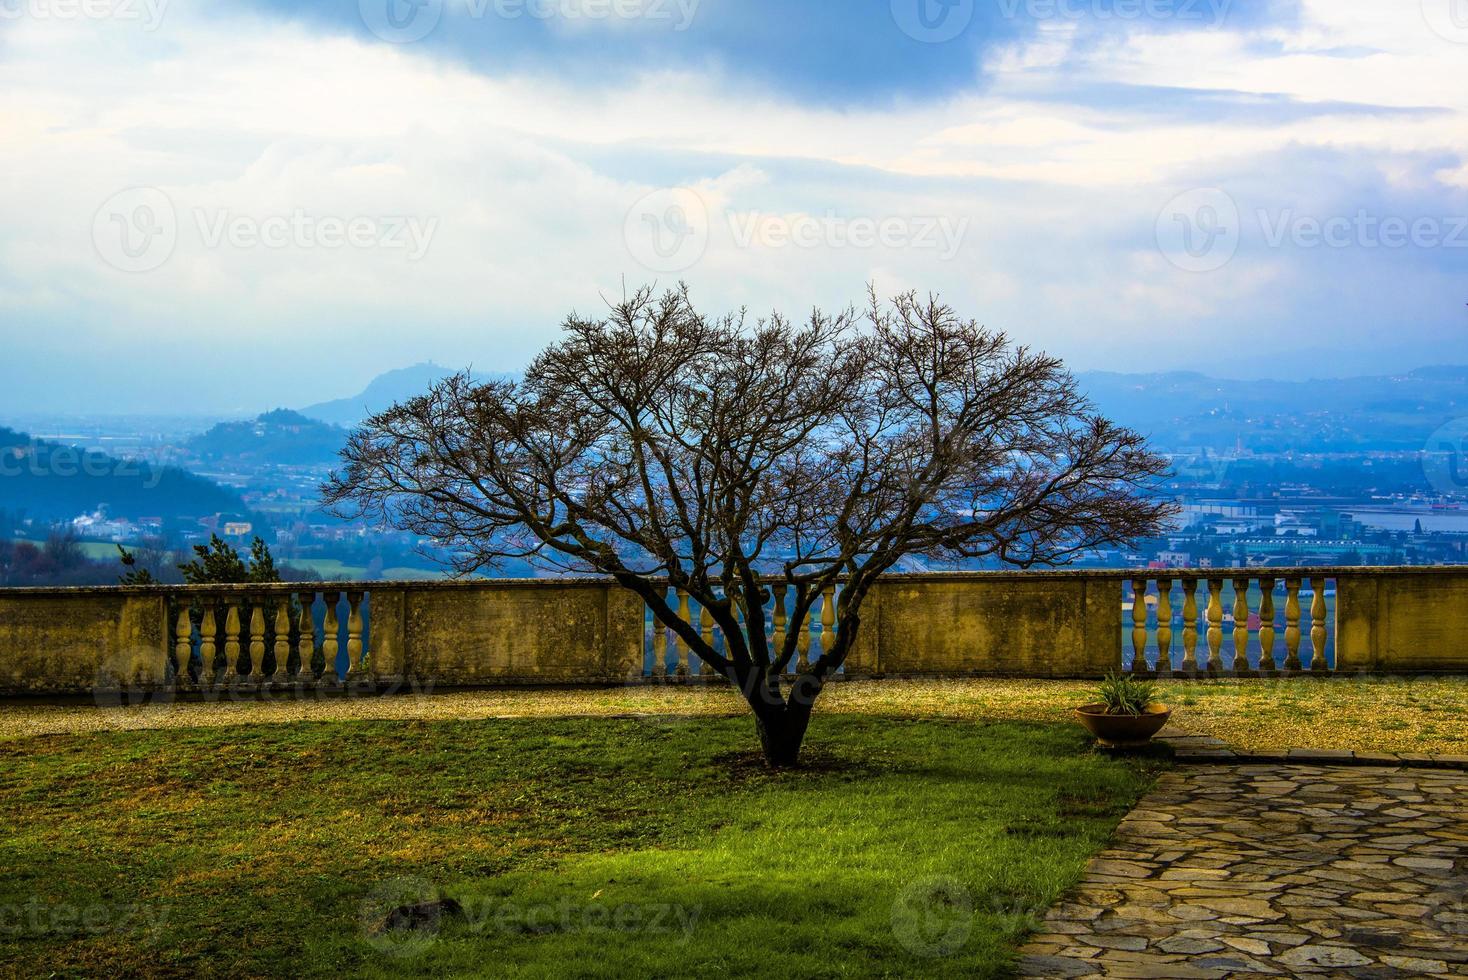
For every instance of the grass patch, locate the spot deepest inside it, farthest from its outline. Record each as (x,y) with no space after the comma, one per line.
(594,847)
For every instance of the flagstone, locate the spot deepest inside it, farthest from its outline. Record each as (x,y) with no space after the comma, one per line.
(1286,870)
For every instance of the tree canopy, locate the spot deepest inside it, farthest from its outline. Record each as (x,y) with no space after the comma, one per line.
(727,456)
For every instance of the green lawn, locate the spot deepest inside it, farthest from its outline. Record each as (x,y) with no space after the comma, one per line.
(594,847)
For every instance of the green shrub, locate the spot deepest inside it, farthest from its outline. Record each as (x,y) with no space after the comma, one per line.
(1125,695)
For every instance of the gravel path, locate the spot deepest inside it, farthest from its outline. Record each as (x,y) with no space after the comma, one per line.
(29,720)
(1401,715)
(1272,870)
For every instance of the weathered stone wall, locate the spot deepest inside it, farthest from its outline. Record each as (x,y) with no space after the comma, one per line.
(1029,625)
(519,633)
(1403,623)
(72,641)
(1057,624)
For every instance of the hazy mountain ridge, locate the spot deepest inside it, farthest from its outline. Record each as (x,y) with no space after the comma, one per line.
(1184,410)
(1180,410)
(382,392)
(389,388)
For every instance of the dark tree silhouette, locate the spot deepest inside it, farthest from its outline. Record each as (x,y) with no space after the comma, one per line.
(218,563)
(659,446)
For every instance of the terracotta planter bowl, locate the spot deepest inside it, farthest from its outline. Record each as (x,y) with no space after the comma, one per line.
(1123,731)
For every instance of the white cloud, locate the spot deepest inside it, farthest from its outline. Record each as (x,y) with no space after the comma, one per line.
(529,182)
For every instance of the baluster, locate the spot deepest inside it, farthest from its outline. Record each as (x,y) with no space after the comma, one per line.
(706,628)
(1292,624)
(282,638)
(660,635)
(306,639)
(208,630)
(356,669)
(1164,626)
(257,637)
(1266,626)
(828,619)
(183,644)
(1139,624)
(1190,626)
(649,632)
(232,642)
(741,618)
(696,620)
(1215,624)
(680,648)
(331,635)
(731,607)
(1241,625)
(802,659)
(1317,627)
(777,640)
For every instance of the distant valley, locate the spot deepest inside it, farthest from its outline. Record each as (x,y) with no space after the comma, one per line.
(113,479)
(1185,412)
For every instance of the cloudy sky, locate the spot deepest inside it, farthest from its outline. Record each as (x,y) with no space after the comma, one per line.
(220,207)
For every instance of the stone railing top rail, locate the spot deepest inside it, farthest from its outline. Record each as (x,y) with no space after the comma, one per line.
(1099,574)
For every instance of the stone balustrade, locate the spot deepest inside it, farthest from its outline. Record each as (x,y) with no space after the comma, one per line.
(376,635)
(308,635)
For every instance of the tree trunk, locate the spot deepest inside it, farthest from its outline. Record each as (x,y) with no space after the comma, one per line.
(782,724)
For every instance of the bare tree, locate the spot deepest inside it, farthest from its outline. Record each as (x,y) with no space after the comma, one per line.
(662,447)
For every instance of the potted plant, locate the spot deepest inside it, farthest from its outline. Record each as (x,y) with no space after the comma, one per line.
(1127,713)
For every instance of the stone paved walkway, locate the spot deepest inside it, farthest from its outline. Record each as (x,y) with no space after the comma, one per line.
(1234,871)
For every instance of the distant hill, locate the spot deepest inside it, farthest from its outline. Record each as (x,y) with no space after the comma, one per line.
(1184,411)
(381,393)
(281,437)
(55,482)
(1180,410)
